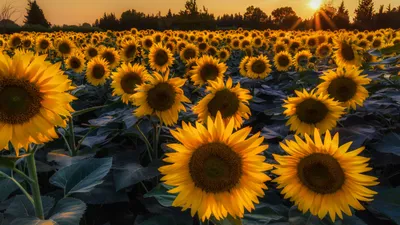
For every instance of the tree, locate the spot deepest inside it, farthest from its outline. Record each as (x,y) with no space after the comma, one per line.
(342,18)
(35,15)
(255,17)
(285,18)
(169,15)
(108,22)
(364,14)
(7,11)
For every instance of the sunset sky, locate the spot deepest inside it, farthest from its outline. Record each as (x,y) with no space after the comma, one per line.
(59,12)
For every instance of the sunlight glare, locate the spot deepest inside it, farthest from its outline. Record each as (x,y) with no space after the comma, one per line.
(315,4)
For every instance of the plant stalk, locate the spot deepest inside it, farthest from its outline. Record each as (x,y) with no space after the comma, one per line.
(37,200)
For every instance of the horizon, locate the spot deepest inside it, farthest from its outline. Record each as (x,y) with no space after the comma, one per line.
(58,12)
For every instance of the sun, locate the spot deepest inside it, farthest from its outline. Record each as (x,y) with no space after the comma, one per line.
(315,4)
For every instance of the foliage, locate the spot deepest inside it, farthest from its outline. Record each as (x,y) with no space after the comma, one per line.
(35,15)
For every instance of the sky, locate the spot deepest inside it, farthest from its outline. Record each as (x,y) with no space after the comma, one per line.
(75,12)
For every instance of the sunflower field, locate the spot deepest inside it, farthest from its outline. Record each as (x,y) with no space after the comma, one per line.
(200,127)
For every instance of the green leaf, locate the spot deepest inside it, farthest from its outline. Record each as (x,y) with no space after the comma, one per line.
(159,220)
(264,214)
(387,202)
(7,187)
(391,49)
(161,194)
(32,221)
(390,143)
(227,221)
(68,211)
(22,207)
(9,161)
(82,176)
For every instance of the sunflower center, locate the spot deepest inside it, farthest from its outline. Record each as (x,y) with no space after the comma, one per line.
(283,60)
(44,44)
(98,71)
(64,48)
(189,53)
(311,111)
(148,43)
(347,52)
(75,63)
(376,43)
(324,50)
(109,56)
(280,48)
(92,52)
(215,168)
(129,82)
(258,41)
(130,51)
(342,89)
(222,55)
(211,51)
(161,57)
(20,100)
(209,72)
(16,41)
(202,46)
(312,42)
(27,43)
(303,61)
(294,46)
(224,101)
(321,173)
(161,97)
(258,66)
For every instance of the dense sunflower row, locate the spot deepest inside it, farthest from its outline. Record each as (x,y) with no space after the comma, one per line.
(216,168)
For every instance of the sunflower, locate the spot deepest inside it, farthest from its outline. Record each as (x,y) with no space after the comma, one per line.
(15,40)
(243,66)
(235,44)
(97,71)
(190,51)
(76,62)
(190,64)
(378,43)
(162,97)
(126,79)
(64,47)
(34,99)
(43,44)
(310,110)
(312,42)
(345,85)
(214,170)
(147,42)
(223,55)
(258,67)
(347,53)
(294,45)
(302,60)
(232,102)
(257,42)
(111,56)
(208,68)
(324,50)
(91,52)
(160,58)
(129,50)
(27,42)
(323,177)
(202,47)
(280,46)
(283,61)
(170,45)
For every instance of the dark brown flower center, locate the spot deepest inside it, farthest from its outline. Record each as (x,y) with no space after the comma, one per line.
(64,48)
(321,173)
(161,97)
(342,89)
(109,57)
(129,82)
(75,63)
(189,53)
(130,51)
(148,43)
(16,41)
(209,71)
(161,57)
(92,52)
(20,100)
(215,168)
(44,44)
(258,66)
(98,71)
(224,101)
(283,60)
(347,52)
(311,111)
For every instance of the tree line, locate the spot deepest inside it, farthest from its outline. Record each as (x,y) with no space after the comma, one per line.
(192,17)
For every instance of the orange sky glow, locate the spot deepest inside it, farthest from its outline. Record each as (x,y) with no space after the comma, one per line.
(74,12)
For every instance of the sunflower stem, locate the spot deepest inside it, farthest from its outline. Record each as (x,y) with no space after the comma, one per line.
(23,175)
(37,200)
(72,136)
(146,141)
(28,196)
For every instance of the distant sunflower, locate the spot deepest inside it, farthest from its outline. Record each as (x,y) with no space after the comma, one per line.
(208,68)
(223,55)
(162,97)
(97,71)
(221,170)
(190,51)
(245,43)
(323,176)
(257,42)
(212,51)
(345,85)
(43,44)
(235,44)
(302,60)
(126,79)
(91,52)
(347,53)
(64,47)
(312,42)
(111,56)
(309,110)
(76,62)
(15,40)
(27,42)
(283,61)
(129,50)
(202,47)
(160,58)
(147,42)
(170,45)
(294,46)
(280,46)
(258,67)
(243,66)
(34,99)
(324,50)
(232,102)
(378,43)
